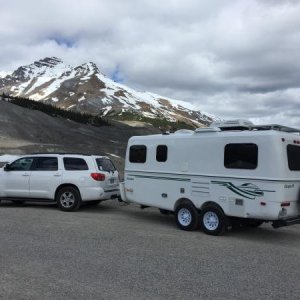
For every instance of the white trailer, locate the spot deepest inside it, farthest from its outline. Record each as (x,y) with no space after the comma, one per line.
(231,173)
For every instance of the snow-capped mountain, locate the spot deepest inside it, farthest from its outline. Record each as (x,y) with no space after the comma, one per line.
(84,88)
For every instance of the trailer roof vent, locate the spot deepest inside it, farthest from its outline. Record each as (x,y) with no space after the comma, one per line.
(238,124)
(183,131)
(207,129)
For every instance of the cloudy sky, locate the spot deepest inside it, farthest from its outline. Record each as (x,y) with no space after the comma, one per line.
(234,59)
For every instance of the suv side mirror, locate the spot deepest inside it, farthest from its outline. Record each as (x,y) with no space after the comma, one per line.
(6,167)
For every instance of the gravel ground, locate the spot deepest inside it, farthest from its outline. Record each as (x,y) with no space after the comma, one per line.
(115,251)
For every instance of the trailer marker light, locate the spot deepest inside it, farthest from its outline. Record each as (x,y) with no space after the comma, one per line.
(98,176)
(284,204)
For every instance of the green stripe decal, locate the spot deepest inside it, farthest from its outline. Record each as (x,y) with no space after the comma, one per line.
(247,190)
(162,178)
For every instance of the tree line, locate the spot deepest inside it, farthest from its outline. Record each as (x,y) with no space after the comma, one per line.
(57,112)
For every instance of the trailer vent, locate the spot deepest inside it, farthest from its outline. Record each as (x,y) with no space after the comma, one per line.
(182,131)
(233,124)
(207,129)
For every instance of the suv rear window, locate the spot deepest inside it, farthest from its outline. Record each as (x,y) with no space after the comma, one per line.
(105,164)
(75,164)
(293,154)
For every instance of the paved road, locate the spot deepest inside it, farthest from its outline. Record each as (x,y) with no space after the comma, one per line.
(122,252)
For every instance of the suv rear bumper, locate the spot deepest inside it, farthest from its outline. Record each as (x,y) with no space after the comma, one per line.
(98,193)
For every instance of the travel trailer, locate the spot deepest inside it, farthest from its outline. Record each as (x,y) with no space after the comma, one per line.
(232,173)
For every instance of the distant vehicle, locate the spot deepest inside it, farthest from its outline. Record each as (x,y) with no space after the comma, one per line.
(7,158)
(232,173)
(68,179)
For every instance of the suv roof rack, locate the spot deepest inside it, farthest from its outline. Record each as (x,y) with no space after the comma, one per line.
(60,153)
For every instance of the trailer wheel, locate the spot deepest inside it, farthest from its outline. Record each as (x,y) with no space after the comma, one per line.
(213,220)
(187,216)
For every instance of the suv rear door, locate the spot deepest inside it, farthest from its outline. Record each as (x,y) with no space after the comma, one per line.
(45,177)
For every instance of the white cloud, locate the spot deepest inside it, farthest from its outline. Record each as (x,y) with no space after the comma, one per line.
(236,59)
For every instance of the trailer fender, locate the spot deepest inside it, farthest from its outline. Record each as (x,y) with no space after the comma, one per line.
(182,201)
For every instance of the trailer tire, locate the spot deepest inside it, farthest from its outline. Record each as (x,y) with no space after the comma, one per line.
(213,220)
(187,216)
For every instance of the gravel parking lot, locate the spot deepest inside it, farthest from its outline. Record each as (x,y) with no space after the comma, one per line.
(114,251)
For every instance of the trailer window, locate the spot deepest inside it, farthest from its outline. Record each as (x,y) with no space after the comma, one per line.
(293,154)
(137,154)
(161,153)
(241,156)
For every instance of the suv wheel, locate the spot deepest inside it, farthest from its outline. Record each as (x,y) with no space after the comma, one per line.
(68,199)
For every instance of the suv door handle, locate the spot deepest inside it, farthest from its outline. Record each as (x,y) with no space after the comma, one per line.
(57,175)
(25,175)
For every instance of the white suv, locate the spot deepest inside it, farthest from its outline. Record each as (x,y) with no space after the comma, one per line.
(68,179)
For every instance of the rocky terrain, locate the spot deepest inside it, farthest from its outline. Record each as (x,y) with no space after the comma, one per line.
(29,131)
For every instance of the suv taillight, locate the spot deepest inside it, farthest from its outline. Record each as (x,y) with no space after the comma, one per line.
(98,176)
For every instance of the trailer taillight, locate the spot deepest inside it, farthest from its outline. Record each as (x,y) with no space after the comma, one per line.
(98,176)
(285,204)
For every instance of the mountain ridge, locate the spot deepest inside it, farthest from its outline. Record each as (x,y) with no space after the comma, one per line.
(85,88)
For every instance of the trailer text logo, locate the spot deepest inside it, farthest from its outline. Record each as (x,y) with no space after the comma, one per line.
(247,190)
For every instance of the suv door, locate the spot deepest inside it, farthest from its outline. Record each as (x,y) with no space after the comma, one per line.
(45,177)
(16,178)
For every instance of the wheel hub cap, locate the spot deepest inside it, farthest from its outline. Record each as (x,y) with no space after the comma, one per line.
(184,217)
(210,220)
(67,199)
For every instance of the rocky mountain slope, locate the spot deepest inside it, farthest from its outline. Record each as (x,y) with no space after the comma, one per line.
(24,130)
(84,88)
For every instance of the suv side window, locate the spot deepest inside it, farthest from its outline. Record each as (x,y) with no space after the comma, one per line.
(22,164)
(241,156)
(46,164)
(75,164)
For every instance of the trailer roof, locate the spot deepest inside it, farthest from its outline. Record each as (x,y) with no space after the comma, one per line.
(275,127)
(240,124)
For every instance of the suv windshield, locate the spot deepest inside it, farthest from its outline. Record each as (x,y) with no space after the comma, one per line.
(105,164)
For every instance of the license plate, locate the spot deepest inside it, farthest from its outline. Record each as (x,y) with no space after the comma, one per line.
(112,180)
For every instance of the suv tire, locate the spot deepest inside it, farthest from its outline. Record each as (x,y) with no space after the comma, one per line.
(68,199)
